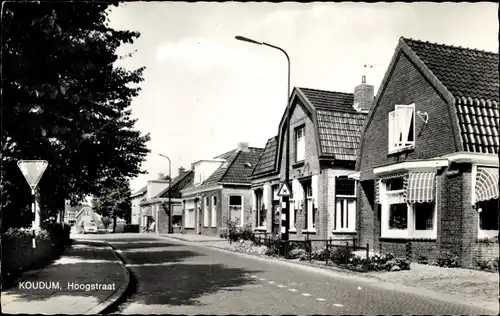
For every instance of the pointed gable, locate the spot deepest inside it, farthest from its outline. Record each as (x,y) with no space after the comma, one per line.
(472,77)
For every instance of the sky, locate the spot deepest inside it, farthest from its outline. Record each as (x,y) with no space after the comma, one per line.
(204,91)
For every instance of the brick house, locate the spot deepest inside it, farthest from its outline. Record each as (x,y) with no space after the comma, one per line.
(428,164)
(158,204)
(220,191)
(326,128)
(136,198)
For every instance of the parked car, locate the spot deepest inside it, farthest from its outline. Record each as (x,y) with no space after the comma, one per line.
(89,228)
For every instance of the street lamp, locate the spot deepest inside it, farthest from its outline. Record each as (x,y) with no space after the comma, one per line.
(288,114)
(170,213)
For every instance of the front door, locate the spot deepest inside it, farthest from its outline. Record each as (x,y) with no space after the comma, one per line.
(199,217)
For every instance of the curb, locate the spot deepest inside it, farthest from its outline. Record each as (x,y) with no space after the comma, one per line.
(353,276)
(107,303)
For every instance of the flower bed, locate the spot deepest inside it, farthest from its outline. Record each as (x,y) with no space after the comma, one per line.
(344,258)
(247,246)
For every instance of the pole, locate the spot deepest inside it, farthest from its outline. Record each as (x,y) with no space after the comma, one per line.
(287,161)
(170,211)
(33,222)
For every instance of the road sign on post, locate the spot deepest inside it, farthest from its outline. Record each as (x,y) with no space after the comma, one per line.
(32,171)
(284,190)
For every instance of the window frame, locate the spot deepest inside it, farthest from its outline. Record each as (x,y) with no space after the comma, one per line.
(229,205)
(391,130)
(259,200)
(308,207)
(484,233)
(213,215)
(345,208)
(206,214)
(302,130)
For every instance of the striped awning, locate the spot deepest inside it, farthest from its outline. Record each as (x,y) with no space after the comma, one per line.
(486,184)
(421,187)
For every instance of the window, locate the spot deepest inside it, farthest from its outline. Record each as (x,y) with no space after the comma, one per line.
(176,220)
(345,205)
(488,218)
(214,211)
(300,144)
(401,219)
(189,218)
(308,206)
(260,213)
(206,214)
(401,128)
(236,209)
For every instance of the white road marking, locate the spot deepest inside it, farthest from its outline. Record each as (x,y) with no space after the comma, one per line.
(338,305)
(320,299)
(271,282)
(292,290)
(254,276)
(150,264)
(262,279)
(280,286)
(306,294)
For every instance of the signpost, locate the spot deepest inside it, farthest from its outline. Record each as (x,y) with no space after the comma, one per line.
(32,171)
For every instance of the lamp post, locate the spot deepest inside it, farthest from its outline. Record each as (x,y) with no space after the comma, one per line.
(288,114)
(170,213)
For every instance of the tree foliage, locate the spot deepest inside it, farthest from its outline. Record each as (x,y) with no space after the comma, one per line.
(64,100)
(114,201)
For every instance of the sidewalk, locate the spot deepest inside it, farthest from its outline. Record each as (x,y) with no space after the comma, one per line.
(474,285)
(193,237)
(85,280)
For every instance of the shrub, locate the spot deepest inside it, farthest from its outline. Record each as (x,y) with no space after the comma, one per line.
(486,240)
(341,255)
(448,260)
(296,253)
(423,260)
(488,264)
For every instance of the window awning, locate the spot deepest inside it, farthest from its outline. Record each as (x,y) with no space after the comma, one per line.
(421,187)
(486,184)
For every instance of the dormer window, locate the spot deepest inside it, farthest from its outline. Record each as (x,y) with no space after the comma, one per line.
(401,128)
(300,144)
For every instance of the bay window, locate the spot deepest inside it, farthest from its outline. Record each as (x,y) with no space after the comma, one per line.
(485,198)
(408,206)
(488,218)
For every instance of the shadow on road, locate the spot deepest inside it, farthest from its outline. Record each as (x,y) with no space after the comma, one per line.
(143,245)
(183,284)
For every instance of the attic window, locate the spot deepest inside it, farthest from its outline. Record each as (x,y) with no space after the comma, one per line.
(248,165)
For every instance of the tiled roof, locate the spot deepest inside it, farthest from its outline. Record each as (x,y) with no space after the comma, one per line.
(180,182)
(340,133)
(217,175)
(335,101)
(472,78)
(339,124)
(241,168)
(267,160)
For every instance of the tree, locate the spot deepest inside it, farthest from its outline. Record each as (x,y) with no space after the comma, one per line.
(106,220)
(114,202)
(65,101)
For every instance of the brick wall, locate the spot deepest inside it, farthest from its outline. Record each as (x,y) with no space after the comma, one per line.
(406,85)
(401,248)
(483,251)
(368,217)
(210,231)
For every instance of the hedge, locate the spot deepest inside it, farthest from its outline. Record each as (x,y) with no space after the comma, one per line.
(18,254)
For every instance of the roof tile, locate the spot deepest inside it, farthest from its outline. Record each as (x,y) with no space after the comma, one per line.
(267,160)
(472,77)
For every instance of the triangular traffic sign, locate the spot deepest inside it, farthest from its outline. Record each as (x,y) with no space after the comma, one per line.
(284,190)
(32,170)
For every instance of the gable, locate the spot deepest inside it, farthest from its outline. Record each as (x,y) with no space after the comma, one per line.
(267,160)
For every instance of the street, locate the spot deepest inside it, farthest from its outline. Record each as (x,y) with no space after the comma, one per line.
(176,278)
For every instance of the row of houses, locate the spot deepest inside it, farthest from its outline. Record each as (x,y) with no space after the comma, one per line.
(416,162)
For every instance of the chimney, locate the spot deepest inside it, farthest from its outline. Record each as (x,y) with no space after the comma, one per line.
(363,96)
(243,147)
(182,171)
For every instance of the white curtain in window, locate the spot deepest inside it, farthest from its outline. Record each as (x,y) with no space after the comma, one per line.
(254,200)
(404,117)
(206,215)
(392,130)
(265,195)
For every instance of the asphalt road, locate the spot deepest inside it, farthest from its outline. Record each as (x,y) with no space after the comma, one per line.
(177,278)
